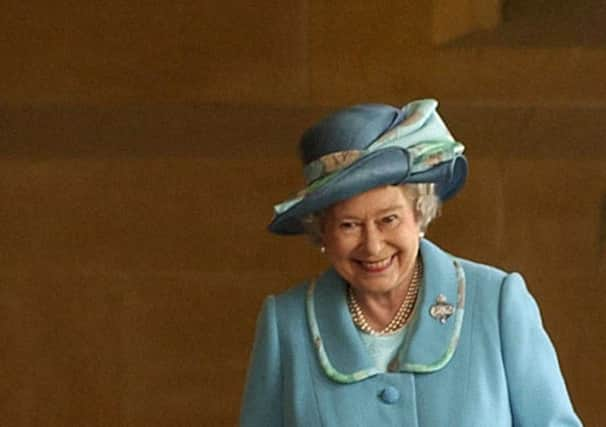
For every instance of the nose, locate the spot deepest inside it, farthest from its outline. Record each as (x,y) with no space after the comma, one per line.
(372,240)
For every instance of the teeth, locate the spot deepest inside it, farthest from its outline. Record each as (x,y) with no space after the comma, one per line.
(377,264)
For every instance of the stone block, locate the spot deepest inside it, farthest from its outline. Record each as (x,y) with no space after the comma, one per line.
(357,51)
(472,223)
(192,52)
(553,211)
(64,360)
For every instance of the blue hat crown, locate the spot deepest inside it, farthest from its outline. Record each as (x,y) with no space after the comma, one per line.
(354,128)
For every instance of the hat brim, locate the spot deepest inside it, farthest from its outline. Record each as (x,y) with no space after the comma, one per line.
(389,166)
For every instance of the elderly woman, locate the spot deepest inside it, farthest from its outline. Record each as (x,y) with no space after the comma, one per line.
(398,332)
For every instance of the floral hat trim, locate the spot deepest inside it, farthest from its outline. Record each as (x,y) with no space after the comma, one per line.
(423,155)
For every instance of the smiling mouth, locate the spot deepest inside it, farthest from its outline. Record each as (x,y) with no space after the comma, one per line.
(376,266)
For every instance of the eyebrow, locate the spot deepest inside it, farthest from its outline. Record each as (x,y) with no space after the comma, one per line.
(389,209)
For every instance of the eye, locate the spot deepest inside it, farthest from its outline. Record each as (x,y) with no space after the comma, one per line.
(348,226)
(390,219)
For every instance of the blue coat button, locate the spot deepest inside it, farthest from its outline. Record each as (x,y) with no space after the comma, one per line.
(390,395)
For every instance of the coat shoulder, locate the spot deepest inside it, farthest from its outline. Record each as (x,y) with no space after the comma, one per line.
(473,268)
(483,278)
(476,274)
(293,296)
(290,307)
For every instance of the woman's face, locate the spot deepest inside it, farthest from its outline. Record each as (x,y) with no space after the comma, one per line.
(372,239)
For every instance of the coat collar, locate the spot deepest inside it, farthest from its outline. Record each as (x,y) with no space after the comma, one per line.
(428,344)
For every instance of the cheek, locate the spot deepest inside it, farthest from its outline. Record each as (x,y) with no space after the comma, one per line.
(412,225)
(408,237)
(338,249)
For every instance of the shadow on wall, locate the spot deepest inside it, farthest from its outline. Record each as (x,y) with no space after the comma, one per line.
(537,23)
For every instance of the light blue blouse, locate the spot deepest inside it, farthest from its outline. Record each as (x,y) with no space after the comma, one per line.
(383,348)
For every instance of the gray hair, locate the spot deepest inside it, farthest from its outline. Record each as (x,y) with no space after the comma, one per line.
(423,196)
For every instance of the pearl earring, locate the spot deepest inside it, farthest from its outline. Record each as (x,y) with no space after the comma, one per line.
(323,249)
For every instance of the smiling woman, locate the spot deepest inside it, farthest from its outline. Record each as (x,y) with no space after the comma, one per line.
(397,332)
(372,241)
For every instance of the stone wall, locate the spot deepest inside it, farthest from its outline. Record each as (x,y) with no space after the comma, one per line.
(142,147)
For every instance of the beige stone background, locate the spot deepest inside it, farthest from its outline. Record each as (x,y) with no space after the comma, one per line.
(142,145)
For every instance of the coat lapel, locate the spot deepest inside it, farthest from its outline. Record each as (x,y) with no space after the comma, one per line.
(428,344)
(338,344)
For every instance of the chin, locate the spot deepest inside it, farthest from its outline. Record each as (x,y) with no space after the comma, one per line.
(377,286)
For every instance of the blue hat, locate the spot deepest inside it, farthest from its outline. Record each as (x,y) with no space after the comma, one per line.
(368,146)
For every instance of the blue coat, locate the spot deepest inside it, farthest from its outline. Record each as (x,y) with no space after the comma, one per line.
(489,364)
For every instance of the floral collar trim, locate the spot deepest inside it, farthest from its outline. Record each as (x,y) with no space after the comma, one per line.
(429,343)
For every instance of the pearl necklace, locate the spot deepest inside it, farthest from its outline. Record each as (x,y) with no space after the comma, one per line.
(401,317)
